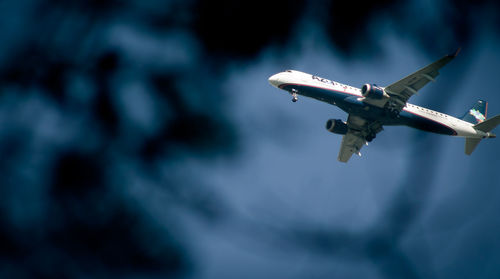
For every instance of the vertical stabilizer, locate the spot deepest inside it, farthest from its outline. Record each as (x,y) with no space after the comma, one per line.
(477,113)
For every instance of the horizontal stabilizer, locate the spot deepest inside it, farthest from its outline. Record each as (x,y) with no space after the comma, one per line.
(488,125)
(470,145)
(485,126)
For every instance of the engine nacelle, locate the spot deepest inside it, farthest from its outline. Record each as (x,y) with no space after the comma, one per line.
(336,126)
(373,92)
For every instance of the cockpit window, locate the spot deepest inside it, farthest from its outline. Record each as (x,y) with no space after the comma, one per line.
(288,71)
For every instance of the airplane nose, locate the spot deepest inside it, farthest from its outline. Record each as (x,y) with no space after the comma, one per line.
(274,80)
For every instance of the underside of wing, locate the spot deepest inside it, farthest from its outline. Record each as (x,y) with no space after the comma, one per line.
(403,89)
(359,132)
(351,144)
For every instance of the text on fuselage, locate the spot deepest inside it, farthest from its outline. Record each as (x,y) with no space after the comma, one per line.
(324,80)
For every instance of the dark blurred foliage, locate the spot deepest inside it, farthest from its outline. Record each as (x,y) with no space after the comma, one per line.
(69,149)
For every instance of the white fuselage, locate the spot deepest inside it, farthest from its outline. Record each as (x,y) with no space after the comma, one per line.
(337,93)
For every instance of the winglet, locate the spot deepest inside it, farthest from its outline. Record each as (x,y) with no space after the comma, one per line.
(455,53)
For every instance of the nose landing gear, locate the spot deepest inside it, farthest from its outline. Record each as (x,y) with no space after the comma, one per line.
(294,95)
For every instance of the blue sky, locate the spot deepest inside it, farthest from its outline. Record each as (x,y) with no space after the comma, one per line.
(144,140)
(288,175)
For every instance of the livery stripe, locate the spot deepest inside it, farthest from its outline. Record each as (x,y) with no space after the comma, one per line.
(282,86)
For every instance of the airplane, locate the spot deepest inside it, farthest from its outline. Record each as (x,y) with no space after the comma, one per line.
(372,107)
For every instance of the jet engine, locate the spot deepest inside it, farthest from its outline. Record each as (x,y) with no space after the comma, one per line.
(373,92)
(336,126)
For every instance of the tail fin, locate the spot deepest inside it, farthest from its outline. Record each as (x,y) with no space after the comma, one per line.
(484,126)
(477,113)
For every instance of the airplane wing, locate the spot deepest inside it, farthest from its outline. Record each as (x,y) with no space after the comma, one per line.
(359,130)
(351,143)
(403,89)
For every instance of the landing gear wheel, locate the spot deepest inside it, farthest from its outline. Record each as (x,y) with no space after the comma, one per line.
(294,95)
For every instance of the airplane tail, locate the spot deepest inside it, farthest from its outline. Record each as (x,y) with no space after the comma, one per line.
(477,113)
(484,126)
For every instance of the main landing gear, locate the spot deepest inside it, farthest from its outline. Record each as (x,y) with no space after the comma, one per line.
(393,113)
(392,109)
(294,95)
